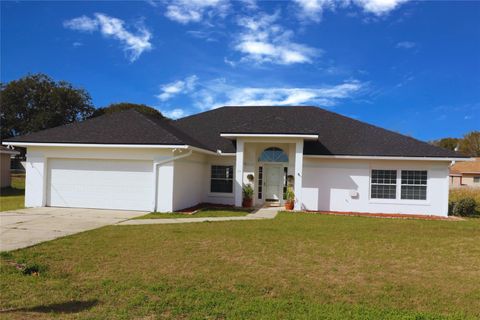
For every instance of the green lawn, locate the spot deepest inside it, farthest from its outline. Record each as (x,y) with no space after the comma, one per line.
(14,197)
(304,266)
(201,214)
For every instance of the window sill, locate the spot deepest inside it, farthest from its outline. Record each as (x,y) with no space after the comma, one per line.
(220,195)
(400,202)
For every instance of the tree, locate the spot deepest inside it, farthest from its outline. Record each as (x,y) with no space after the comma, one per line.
(36,102)
(470,144)
(116,107)
(447,143)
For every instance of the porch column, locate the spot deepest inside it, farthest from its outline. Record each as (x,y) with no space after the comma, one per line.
(298,174)
(239,173)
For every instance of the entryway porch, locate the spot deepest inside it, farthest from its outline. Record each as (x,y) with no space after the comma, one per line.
(269,164)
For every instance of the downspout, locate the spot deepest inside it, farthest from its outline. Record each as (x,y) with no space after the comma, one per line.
(155,174)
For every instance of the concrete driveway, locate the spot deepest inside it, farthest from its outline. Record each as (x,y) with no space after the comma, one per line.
(26,227)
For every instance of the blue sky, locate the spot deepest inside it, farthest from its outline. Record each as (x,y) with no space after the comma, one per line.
(412,67)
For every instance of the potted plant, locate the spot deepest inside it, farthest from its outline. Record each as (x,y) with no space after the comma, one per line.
(289,198)
(247,196)
(290,180)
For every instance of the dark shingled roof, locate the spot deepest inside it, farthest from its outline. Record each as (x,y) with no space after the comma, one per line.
(337,134)
(124,127)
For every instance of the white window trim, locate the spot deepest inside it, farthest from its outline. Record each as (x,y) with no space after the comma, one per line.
(426,195)
(398,198)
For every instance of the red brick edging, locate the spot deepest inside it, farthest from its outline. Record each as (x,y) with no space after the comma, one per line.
(386,215)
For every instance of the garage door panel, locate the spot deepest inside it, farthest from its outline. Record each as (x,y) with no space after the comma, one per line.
(105,184)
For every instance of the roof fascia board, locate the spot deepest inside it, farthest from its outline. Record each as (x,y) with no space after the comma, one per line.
(202,150)
(387,158)
(269,135)
(226,154)
(95,145)
(98,145)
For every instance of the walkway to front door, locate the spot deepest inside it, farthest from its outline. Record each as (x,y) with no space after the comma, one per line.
(259,214)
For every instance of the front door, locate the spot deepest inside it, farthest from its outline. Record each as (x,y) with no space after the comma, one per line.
(273,182)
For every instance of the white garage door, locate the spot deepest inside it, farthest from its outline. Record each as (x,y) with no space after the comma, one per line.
(102,184)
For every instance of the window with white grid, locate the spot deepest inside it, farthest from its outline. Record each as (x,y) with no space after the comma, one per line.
(414,185)
(383,184)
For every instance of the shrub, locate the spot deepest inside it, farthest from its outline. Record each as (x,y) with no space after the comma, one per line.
(466,192)
(464,207)
(33,269)
(451,204)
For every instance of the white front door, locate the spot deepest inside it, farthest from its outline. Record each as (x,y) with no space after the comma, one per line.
(273,182)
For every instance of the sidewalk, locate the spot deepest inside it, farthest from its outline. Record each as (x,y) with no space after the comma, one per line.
(260,214)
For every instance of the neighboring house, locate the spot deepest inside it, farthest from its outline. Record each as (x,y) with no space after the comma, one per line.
(465,174)
(129,160)
(5,160)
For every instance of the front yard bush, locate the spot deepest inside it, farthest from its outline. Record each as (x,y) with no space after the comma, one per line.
(463,207)
(459,194)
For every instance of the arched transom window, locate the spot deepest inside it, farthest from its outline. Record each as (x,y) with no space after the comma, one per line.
(273,154)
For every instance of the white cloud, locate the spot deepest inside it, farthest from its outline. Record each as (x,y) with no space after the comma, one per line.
(82,23)
(186,11)
(218,92)
(312,10)
(172,89)
(229,62)
(152,3)
(175,113)
(133,44)
(250,4)
(208,35)
(406,45)
(262,40)
(379,7)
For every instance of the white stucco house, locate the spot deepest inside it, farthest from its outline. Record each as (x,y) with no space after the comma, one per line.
(129,160)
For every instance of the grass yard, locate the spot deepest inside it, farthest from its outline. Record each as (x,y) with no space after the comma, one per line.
(200,214)
(296,266)
(14,197)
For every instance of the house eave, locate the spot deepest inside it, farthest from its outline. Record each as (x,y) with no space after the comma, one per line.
(94,145)
(108,145)
(268,135)
(468,172)
(387,158)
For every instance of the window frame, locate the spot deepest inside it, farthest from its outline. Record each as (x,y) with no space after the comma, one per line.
(278,159)
(260,182)
(383,184)
(218,193)
(413,185)
(398,199)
